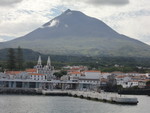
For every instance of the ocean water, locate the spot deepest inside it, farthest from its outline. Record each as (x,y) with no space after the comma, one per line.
(58,104)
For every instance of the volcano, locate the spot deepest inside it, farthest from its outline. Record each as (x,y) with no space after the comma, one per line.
(74,33)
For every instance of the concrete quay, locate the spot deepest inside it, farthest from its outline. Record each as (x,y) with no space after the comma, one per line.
(91,95)
(103,97)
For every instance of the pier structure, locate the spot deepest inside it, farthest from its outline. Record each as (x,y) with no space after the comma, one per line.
(105,97)
(102,97)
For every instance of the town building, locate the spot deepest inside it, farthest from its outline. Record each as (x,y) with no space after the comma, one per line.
(38,77)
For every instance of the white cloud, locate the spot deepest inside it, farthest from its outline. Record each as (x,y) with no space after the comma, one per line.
(9,2)
(21,23)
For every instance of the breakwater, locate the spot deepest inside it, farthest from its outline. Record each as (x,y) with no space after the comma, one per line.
(102,97)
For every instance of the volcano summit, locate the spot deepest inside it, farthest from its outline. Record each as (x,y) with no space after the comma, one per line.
(74,33)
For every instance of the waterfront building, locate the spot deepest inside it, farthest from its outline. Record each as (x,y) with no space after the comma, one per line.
(88,80)
(142,83)
(122,80)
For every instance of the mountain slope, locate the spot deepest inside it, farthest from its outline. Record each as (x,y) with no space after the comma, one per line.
(74,33)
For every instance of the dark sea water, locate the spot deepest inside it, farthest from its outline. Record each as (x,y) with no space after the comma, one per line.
(56,104)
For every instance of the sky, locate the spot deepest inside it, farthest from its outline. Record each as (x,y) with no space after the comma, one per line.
(128,17)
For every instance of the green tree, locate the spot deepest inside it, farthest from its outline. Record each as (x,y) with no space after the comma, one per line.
(63,72)
(60,74)
(11,62)
(19,59)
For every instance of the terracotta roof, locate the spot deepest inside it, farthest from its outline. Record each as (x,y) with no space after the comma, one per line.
(121,76)
(75,72)
(31,70)
(134,81)
(137,77)
(93,71)
(14,72)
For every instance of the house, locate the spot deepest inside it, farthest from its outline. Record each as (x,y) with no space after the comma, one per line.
(122,80)
(105,75)
(117,73)
(142,83)
(74,68)
(74,76)
(92,74)
(132,83)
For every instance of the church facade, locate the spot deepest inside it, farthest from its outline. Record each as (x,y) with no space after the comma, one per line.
(46,70)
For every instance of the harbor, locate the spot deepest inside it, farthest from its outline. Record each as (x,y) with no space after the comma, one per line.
(102,97)
(113,98)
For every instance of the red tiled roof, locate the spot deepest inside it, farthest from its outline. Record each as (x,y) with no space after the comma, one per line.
(93,71)
(30,70)
(14,72)
(121,76)
(75,72)
(134,81)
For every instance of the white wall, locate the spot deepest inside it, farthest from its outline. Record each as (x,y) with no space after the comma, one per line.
(92,75)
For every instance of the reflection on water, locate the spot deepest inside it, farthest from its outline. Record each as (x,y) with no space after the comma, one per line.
(55,104)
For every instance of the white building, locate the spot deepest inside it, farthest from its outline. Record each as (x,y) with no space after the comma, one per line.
(123,80)
(44,72)
(74,76)
(88,77)
(132,83)
(37,76)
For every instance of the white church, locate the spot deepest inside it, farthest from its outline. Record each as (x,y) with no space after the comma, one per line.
(45,72)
